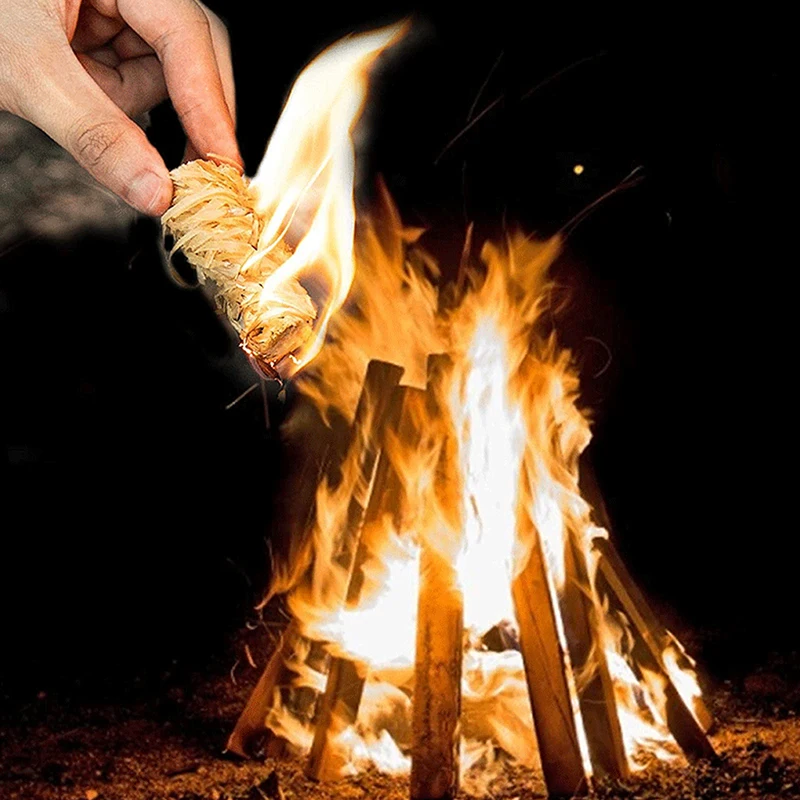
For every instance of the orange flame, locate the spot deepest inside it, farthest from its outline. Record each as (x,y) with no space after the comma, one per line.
(304,184)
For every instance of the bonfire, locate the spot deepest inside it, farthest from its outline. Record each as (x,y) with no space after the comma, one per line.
(456,603)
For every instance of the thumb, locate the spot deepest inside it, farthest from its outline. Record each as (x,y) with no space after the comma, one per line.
(67,104)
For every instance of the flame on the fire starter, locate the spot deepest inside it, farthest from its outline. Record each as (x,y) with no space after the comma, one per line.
(512,401)
(304,184)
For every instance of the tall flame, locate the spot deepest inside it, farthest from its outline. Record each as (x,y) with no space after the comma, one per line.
(304,184)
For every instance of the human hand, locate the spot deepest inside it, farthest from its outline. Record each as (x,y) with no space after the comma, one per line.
(79,69)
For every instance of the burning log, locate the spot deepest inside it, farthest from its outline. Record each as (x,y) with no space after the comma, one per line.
(685,723)
(635,605)
(440,631)
(337,709)
(387,494)
(213,221)
(251,724)
(366,435)
(338,706)
(588,659)
(545,672)
(371,420)
(437,681)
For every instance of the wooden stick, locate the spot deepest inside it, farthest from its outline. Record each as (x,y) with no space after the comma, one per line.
(337,709)
(303,699)
(368,427)
(545,670)
(338,706)
(596,692)
(654,635)
(438,663)
(437,681)
(379,383)
(682,723)
(252,721)
(388,491)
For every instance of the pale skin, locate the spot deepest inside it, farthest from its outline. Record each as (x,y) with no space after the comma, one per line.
(81,69)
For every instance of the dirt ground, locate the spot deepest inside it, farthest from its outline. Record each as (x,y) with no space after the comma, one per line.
(163,739)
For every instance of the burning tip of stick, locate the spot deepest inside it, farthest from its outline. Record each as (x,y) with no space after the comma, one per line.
(213,222)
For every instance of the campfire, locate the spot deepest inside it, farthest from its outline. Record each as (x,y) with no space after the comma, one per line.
(456,602)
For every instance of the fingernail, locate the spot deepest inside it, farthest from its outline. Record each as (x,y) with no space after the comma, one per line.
(231,162)
(149,193)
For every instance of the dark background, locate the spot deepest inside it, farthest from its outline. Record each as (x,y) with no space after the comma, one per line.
(136,508)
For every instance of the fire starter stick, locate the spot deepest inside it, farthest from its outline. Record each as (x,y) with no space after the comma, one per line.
(213,221)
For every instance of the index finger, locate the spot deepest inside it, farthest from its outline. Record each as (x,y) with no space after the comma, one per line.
(179,32)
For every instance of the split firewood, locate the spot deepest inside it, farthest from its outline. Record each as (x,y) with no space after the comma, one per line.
(439,656)
(545,662)
(214,222)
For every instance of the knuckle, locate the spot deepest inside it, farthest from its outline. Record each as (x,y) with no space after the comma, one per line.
(93,144)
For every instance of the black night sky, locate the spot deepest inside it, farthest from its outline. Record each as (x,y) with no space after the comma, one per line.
(136,508)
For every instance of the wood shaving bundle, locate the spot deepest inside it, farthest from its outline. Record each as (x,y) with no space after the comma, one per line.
(213,221)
